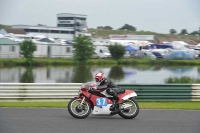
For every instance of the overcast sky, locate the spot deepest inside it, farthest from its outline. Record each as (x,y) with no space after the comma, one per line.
(148,15)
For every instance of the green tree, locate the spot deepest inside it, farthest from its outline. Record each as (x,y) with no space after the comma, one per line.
(105,27)
(183,32)
(117,51)
(108,28)
(41,25)
(172,31)
(83,48)
(128,27)
(100,27)
(4,26)
(27,48)
(194,33)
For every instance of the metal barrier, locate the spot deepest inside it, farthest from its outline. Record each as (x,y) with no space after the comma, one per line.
(145,92)
(166,92)
(24,91)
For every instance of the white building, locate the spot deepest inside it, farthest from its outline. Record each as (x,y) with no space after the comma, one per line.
(50,32)
(9,48)
(75,21)
(41,50)
(68,27)
(100,41)
(61,51)
(136,39)
(53,50)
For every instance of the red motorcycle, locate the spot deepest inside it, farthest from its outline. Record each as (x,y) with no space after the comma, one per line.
(100,103)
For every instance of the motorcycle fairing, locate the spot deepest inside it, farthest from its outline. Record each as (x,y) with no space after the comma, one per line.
(103,110)
(126,95)
(94,97)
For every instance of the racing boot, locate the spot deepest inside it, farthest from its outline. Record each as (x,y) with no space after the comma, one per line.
(115,105)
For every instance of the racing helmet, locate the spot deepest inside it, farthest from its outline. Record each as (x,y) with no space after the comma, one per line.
(99,77)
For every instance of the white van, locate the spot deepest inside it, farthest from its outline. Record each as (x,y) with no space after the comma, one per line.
(102,52)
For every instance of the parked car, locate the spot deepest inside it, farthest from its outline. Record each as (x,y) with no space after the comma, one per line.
(102,51)
(139,54)
(150,54)
(127,55)
(158,55)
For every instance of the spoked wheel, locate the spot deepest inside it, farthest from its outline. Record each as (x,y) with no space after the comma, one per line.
(129,109)
(77,110)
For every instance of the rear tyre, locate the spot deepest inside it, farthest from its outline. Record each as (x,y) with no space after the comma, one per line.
(129,112)
(77,110)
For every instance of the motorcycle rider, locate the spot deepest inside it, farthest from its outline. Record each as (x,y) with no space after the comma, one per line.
(111,88)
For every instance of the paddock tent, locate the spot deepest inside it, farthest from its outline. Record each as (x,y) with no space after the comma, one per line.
(129,48)
(180,55)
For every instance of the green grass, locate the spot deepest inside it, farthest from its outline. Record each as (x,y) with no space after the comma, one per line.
(105,33)
(35,104)
(68,62)
(192,105)
(4,26)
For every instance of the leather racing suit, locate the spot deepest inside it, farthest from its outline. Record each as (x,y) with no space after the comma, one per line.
(111,88)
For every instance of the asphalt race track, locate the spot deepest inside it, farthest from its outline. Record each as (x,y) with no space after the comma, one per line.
(42,120)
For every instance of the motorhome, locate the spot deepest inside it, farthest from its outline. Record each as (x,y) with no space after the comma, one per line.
(102,52)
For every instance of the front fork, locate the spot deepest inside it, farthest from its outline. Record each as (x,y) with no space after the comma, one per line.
(82,100)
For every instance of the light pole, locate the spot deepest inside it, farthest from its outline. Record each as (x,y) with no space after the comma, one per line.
(47,31)
(74,27)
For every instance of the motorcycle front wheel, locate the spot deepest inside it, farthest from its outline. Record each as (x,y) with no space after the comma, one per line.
(77,110)
(129,109)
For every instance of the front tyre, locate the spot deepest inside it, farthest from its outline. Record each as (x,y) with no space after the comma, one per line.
(129,109)
(77,110)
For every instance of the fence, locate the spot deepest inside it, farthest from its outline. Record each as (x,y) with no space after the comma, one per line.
(145,92)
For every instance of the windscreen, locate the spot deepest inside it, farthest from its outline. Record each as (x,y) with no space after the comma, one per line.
(89,84)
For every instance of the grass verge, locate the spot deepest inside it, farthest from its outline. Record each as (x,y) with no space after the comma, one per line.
(192,105)
(68,62)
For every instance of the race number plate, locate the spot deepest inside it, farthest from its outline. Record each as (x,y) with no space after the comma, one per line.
(101,102)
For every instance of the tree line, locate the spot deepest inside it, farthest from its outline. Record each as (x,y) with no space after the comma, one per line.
(132,28)
(184,32)
(125,27)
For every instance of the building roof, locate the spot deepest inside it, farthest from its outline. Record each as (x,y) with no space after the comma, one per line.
(71,14)
(46,40)
(42,27)
(7,41)
(15,31)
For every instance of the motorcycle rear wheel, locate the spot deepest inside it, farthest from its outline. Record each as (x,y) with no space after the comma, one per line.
(77,110)
(130,112)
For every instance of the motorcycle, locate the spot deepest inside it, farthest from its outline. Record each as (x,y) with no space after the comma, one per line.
(101,103)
